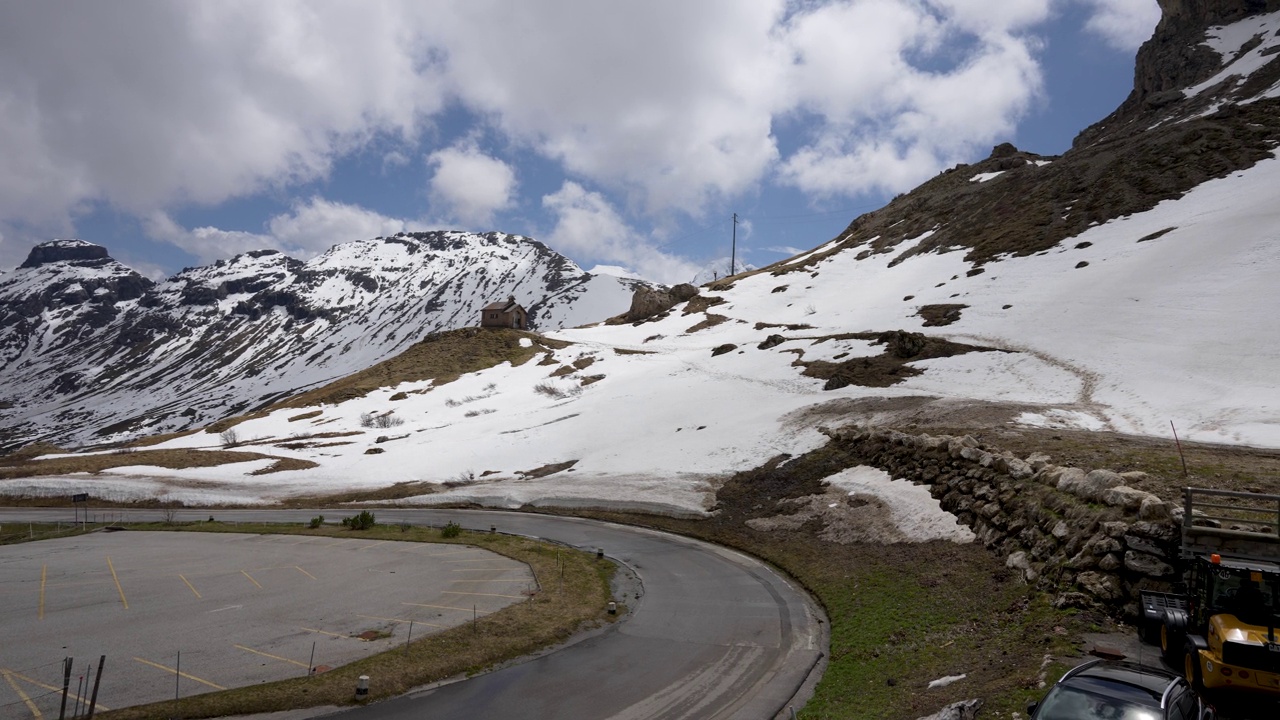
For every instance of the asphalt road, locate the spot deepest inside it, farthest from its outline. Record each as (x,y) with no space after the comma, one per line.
(713,634)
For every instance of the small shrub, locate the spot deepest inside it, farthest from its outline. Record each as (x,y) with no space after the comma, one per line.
(451,530)
(230,438)
(481,411)
(380,420)
(556,392)
(363,521)
(366,420)
(451,403)
(491,387)
(316,522)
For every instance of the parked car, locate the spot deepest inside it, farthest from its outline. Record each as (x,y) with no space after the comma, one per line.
(1120,690)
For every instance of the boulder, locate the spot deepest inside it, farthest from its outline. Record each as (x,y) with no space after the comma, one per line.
(1100,585)
(1148,565)
(1123,496)
(965,710)
(1067,479)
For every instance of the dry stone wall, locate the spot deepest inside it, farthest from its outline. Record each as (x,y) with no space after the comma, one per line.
(1087,537)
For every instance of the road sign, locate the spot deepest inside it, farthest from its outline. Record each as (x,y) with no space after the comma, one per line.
(82,497)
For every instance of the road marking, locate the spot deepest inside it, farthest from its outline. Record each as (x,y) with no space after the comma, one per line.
(375,617)
(202,681)
(326,632)
(189,585)
(35,711)
(43,571)
(39,684)
(304,572)
(255,582)
(273,657)
(117,579)
(229,607)
(343,542)
(455,592)
(445,607)
(366,547)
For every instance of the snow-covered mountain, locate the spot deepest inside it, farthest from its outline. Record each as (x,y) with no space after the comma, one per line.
(1126,284)
(91,350)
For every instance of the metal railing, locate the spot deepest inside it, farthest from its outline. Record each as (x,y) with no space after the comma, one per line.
(1213,519)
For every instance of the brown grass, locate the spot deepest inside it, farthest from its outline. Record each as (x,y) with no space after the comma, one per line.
(550,616)
(712,320)
(172,459)
(441,357)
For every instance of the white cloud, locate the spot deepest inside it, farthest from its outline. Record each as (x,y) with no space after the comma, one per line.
(1125,24)
(671,102)
(588,227)
(308,230)
(146,105)
(894,123)
(470,185)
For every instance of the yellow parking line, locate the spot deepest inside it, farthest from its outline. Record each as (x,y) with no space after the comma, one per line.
(304,572)
(202,681)
(117,579)
(255,582)
(273,657)
(43,571)
(189,585)
(454,592)
(52,688)
(35,711)
(326,632)
(445,607)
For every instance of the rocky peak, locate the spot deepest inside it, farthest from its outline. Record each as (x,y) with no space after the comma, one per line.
(64,251)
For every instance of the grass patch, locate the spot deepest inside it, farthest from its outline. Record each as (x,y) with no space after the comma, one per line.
(172,459)
(548,617)
(388,493)
(711,321)
(441,357)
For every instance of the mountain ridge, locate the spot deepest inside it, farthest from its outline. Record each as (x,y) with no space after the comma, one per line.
(92,350)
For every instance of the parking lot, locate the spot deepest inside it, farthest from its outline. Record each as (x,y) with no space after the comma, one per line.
(189,613)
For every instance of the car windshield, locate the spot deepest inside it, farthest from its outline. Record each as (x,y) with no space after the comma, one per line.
(1072,703)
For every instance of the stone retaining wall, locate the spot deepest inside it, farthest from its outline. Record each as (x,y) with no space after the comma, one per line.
(1088,537)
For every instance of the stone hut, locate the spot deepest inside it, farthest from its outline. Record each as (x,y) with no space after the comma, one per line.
(508,314)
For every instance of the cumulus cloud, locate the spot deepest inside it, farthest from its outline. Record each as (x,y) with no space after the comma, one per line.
(1125,24)
(894,123)
(146,105)
(307,230)
(587,226)
(470,185)
(670,107)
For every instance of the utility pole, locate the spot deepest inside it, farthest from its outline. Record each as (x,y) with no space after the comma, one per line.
(733,253)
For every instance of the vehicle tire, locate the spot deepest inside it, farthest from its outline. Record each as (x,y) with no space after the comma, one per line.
(1169,645)
(1191,667)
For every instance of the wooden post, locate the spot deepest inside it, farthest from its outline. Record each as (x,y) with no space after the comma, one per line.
(1179,444)
(93,699)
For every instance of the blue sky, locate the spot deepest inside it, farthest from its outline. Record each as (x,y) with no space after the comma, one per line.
(622,134)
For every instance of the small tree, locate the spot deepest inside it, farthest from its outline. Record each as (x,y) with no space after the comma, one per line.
(363,521)
(230,438)
(316,522)
(451,530)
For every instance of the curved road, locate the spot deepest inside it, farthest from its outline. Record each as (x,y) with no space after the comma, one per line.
(715,633)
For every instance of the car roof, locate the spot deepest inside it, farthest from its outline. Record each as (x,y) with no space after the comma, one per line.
(1141,678)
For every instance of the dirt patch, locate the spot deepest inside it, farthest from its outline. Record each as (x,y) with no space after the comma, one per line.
(711,321)
(546,470)
(940,314)
(286,464)
(888,368)
(306,415)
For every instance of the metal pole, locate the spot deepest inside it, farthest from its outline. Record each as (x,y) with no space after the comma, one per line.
(177,675)
(66,685)
(93,699)
(311,666)
(406,640)
(79,694)
(733,254)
